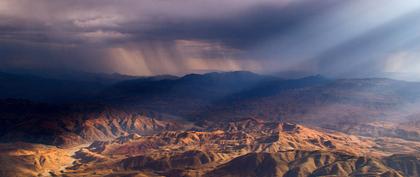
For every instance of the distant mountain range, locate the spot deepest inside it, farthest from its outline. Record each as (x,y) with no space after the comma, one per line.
(224,95)
(64,87)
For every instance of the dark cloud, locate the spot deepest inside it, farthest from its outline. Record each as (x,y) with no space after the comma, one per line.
(244,29)
(338,38)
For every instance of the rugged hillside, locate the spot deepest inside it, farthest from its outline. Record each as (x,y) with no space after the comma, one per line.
(240,148)
(302,164)
(409,165)
(68,127)
(247,147)
(23,159)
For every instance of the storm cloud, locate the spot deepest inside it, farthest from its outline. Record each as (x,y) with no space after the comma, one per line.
(148,37)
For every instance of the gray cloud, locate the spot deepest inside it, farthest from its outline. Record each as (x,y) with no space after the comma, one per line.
(145,37)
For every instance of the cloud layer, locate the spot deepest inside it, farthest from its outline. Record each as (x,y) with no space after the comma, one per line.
(147,37)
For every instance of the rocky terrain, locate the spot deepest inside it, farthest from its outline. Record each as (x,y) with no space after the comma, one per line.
(216,124)
(304,163)
(61,129)
(24,159)
(247,147)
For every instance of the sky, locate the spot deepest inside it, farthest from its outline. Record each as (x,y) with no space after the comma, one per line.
(340,38)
